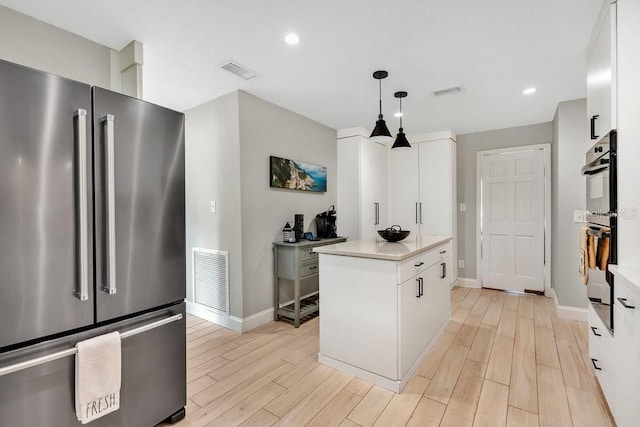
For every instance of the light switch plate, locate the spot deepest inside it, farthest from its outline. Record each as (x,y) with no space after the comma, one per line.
(463,207)
(213,206)
(460,263)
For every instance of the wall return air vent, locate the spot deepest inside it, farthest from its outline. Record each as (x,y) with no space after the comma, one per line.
(211,279)
(239,70)
(448,91)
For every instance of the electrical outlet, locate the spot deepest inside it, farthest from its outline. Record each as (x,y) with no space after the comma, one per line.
(460,263)
(213,206)
(463,207)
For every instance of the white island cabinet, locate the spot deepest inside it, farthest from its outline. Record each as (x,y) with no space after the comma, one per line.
(382,306)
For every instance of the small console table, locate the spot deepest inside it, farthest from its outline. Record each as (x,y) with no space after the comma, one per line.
(296,262)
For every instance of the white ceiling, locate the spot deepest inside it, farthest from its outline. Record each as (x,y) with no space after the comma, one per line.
(494,48)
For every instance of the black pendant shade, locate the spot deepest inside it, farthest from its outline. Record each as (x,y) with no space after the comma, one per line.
(401,140)
(380,131)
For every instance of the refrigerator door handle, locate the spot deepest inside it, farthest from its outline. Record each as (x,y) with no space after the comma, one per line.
(108,123)
(71,351)
(80,117)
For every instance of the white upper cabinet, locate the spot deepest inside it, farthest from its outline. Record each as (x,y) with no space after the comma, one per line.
(414,188)
(601,75)
(404,194)
(422,190)
(437,190)
(363,202)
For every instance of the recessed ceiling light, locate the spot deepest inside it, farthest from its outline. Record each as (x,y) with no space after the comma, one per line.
(398,114)
(292,38)
(529,91)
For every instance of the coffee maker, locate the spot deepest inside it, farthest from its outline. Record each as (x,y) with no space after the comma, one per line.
(326,223)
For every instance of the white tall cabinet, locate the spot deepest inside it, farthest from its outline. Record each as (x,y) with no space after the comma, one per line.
(601,74)
(363,171)
(423,195)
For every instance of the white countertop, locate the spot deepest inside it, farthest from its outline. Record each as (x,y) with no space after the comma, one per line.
(632,275)
(381,249)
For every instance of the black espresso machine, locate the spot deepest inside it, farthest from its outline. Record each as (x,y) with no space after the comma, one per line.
(326,223)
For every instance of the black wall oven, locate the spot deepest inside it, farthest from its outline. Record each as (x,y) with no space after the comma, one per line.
(600,172)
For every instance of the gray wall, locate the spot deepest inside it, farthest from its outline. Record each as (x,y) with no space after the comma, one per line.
(268,130)
(570,131)
(468,145)
(38,45)
(212,157)
(228,144)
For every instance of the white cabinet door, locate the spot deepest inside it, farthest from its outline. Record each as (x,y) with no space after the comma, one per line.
(601,77)
(411,324)
(349,187)
(373,181)
(441,304)
(403,192)
(422,308)
(435,187)
(601,354)
(626,357)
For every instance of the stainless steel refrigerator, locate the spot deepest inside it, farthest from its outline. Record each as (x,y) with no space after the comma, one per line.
(92,241)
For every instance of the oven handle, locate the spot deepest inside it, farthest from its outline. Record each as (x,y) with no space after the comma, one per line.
(595,167)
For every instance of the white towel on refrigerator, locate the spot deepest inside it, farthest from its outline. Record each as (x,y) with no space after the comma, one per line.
(98,376)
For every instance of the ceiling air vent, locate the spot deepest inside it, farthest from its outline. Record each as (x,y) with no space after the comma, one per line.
(239,70)
(448,91)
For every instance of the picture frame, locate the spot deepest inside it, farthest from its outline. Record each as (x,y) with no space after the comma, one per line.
(297,175)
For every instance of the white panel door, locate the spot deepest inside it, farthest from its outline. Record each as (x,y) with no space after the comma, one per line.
(512,220)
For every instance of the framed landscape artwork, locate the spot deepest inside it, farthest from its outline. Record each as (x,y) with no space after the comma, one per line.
(295,175)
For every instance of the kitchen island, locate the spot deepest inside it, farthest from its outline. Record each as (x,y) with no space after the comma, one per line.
(383,305)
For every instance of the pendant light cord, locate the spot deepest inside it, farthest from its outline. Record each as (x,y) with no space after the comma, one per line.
(380,95)
(400,113)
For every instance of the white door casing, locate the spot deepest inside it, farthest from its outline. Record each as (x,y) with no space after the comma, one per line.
(513,218)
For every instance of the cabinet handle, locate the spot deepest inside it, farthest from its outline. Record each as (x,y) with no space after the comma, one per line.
(419,264)
(421,286)
(418,283)
(623,301)
(417,213)
(444,270)
(443,252)
(420,212)
(593,127)
(594,329)
(593,361)
(376,207)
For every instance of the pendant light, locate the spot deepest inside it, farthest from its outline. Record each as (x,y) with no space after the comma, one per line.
(401,139)
(381,131)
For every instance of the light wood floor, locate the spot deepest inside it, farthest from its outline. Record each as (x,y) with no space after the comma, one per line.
(503,359)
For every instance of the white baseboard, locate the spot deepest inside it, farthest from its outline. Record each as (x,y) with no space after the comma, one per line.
(568,312)
(255,320)
(467,283)
(230,322)
(454,283)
